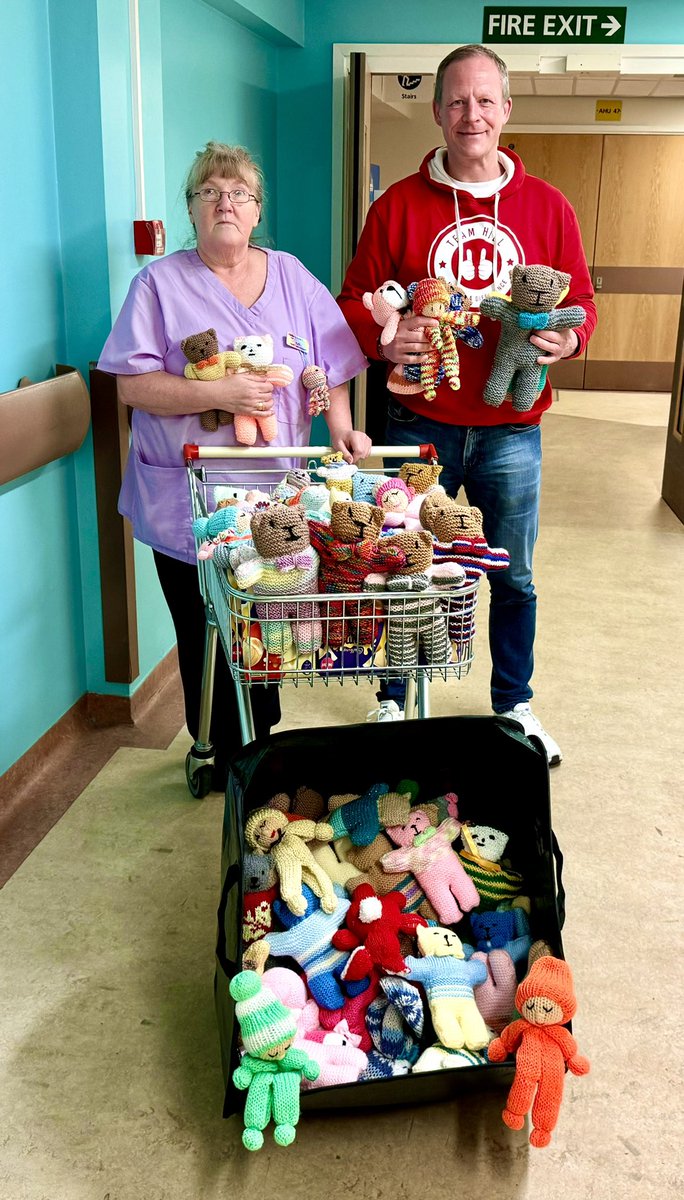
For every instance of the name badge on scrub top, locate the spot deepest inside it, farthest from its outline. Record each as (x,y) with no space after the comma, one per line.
(297,343)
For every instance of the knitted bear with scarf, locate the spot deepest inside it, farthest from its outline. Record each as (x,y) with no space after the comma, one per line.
(543,1048)
(270,1071)
(449,981)
(535,292)
(349,549)
(205,361)
(256,354)
(268,831)
(308,940)
(282,562)
(427,852)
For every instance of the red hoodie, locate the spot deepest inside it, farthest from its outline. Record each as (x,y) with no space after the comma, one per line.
(411,233)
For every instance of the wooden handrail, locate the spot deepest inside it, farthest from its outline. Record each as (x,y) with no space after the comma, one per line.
(41,422)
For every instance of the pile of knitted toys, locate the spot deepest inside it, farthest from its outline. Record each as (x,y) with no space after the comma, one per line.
(400,543)
(382,935)
(536,291)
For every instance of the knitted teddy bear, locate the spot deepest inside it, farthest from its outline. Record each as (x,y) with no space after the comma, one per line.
(428,853)
(205,361)
(315,381)
(308,940)
(270,1070)
(483,848)
(268,831)
(504,929)
(422,476)
(449,981)
(282,562)
(337,474)
(337,1051)
(535,292)
(361,818)
(349,549)
(387,304)
(458,536)
(417,624)
(256,354)
(260,889)
(543,1048)
(373,925)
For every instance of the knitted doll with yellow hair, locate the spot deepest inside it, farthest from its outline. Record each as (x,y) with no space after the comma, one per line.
(543,1047)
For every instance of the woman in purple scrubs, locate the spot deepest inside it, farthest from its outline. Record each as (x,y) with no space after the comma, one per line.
(239,289)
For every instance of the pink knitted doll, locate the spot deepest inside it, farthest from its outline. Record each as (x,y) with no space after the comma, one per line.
(337,1051)
(428,853)
(393,496)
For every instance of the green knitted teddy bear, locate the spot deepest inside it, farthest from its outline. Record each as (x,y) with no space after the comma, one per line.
(535,292)
(270,1071)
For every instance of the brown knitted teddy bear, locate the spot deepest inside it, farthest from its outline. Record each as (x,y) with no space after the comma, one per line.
(205,361)
(350,548)
(416,623)
(421,476)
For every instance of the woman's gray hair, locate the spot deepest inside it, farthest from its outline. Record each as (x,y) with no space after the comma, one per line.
(472,51)
(228,162)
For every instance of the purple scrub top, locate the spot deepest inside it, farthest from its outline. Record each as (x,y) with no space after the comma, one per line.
(176,296)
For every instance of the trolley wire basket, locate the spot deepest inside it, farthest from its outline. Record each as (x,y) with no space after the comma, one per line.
(310,637)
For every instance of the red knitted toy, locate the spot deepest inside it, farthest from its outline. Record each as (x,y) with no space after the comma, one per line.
(546,999)
(372,934)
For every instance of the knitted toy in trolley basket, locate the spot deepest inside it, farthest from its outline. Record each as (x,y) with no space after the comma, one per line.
(449,981)
(543,1048)
(206,361)
(270,1070)
(349,549)
(337,1051)
(416,624)
(256,354)
(373,925)
(531,308)
(281,562)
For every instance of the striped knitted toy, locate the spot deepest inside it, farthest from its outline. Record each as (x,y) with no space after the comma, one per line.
(495,881)
(432,298)
(365,862)
(283,563)
(308,940)
(270,1071)
(441,1058)
(427,852)
(449,981)
(543,1048)
(417,624)
(395,1024)
(362,817)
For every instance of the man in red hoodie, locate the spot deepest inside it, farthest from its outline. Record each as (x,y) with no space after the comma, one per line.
(469,215)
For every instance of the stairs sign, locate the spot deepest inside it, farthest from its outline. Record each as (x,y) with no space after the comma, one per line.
(578,26)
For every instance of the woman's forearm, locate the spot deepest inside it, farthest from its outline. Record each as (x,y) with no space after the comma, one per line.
(166,395)
(338,417)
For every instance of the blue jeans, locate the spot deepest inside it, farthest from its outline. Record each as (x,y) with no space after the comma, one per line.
(499,467)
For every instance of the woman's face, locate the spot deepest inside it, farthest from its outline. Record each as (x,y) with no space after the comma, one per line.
(223,225)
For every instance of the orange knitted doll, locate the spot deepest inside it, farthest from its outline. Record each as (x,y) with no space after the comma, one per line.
(546,999)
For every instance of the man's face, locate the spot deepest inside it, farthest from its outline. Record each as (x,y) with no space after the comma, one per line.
(472,113)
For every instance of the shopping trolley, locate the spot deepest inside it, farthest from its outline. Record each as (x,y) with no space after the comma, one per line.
(354,627)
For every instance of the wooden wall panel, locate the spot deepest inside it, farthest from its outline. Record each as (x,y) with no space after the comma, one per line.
(640,212)
(643,328)
(572,163)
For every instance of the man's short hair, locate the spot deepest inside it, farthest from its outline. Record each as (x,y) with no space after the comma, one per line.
(471,51)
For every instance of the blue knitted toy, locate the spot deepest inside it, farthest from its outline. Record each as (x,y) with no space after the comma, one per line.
(449,981)
(506,929)
(362,817)
(395,1023)
(308,940)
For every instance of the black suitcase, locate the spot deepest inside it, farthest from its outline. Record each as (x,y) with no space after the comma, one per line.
(501,779)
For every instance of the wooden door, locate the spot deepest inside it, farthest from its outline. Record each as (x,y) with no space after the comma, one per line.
(673,474)
(572,163)
(638,264)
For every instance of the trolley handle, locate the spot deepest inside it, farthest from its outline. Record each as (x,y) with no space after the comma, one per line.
(191,452)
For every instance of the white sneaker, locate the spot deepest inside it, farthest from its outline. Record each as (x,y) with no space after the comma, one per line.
(387,710)
(522,713)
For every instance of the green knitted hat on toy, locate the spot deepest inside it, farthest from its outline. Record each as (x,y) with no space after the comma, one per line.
(264,1021)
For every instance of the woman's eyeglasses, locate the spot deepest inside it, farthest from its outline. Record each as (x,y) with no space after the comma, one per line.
(211,195)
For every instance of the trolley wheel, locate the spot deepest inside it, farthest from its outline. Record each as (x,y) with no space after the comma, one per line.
(200,779)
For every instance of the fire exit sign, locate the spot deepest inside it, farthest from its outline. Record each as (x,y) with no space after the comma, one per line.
(578,25)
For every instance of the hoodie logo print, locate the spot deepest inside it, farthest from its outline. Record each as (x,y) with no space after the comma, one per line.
(483,267)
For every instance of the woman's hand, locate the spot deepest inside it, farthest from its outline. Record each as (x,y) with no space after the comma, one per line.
(247,393)
(555,344)
(410,342)
(353,444)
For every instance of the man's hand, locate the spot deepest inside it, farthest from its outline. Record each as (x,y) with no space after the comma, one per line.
(555,344)
(410,342)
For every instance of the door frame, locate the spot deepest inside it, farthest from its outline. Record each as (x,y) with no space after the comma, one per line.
(398,58)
